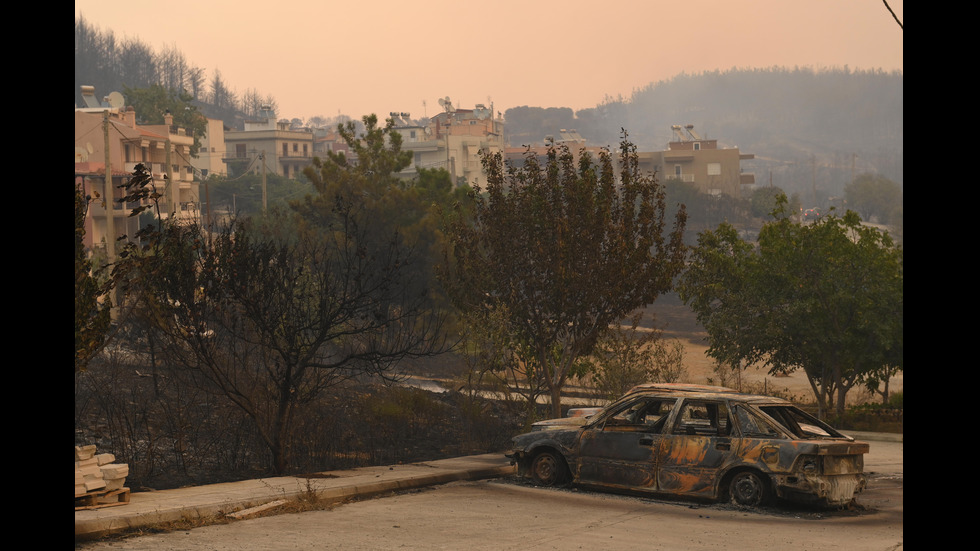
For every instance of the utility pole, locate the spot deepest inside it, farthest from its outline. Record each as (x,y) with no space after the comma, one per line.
(110,214)
(813,177)
(171,189)
(265,196)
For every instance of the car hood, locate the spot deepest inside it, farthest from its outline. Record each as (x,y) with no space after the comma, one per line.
(576,418)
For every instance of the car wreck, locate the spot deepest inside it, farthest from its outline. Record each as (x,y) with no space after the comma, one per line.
(696,441)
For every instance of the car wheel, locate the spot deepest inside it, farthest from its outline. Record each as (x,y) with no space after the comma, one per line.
(548,469)
(748,488)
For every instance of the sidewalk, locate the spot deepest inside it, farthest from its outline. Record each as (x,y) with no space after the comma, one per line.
(218,500)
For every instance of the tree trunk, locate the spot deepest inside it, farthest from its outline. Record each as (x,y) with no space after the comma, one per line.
(555,401)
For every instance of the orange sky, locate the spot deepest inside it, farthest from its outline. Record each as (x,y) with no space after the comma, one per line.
(324,57)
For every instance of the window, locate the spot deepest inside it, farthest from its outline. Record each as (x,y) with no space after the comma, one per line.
(645,415)
(285,150)
(798,422)
(305,150)
(714,169)
(295,148)
(703,418)
(677,170)
(751,425)
(240,150)
(697,146)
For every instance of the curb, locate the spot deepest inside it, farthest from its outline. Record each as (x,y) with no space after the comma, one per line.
(218,501)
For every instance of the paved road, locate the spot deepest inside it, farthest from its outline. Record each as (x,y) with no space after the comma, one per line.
(505,514)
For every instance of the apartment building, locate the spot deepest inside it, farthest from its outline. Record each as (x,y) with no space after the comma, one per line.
(452,140)
(110,133)
(271,143)
(698,161)
(210,159)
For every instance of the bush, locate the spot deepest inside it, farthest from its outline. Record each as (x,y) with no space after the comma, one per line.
(875,417)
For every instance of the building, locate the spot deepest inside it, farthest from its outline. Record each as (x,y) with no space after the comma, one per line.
(107,132)
(453,140)
(210,159)
(517,156)
(269,143)
(698,161)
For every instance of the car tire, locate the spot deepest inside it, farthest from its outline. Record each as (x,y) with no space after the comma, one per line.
(548,469)
(748,488)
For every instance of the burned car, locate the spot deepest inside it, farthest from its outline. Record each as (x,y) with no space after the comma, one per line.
(696,441)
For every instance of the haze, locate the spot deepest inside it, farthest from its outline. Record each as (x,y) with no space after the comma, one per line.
(354,58)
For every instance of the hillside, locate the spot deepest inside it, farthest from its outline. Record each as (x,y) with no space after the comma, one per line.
(808,129)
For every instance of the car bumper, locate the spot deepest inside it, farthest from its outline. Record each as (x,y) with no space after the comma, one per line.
(832,490)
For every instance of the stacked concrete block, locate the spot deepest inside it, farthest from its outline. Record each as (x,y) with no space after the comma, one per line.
(97,472)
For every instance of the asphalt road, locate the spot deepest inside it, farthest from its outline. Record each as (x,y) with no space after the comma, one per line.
(507,514)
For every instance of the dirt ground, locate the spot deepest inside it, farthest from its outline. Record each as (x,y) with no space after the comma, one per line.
(678,322)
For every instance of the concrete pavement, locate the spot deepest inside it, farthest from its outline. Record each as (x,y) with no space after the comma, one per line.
(199,503)
(219,500)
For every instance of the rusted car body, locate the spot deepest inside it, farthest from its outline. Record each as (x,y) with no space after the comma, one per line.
(700,442)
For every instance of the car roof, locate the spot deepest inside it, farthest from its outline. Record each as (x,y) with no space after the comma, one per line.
(703,391)
(680,387)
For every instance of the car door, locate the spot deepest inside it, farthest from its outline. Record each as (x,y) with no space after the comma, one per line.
(621,450)
(696,448)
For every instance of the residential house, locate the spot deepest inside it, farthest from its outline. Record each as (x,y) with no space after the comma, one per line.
(453,140)
(210,159)
(698,161)
(110,133)
(269,144)
(570,138)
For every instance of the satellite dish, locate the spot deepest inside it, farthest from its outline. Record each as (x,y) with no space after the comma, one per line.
(116,100)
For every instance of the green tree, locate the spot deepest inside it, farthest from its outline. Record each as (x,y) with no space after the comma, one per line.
(366,179)
(764,200)
(153,102)
(92,317)
(380,201)
(242,195)
(826,297)
(875,197)
(568,249)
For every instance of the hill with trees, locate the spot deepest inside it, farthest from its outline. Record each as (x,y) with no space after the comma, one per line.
(811,131)
(110,64)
